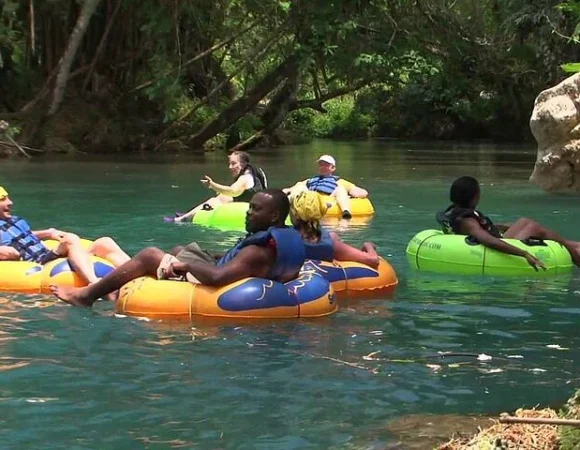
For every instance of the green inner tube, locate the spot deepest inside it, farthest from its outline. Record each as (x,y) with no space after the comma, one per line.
(227,217)
(433,251)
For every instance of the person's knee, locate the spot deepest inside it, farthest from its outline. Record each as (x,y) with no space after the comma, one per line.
(70,239)
(527,222)
(152,255)
(106,244)
(68,242)
(175,250)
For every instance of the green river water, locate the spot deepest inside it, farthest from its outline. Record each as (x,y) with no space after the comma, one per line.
(85,379)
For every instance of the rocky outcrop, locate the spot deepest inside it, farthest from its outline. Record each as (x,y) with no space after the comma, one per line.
(555,123)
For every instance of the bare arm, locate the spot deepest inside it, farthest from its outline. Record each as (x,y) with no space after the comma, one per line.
(471,227)
(358,192)
(234,190)
(50,233)
(251,261)
(290,189)
(8,253)
(345,252)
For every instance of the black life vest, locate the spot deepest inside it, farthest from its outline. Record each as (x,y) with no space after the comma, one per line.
(16,233)
(450,220)
(260,183)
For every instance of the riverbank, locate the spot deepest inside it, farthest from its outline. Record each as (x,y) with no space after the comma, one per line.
(507,436)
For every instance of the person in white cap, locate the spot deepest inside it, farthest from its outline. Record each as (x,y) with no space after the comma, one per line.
(329,184)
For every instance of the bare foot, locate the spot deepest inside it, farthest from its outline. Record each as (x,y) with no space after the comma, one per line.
(72,295)
(113,296)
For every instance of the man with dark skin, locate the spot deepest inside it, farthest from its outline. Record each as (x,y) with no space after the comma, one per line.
(268,208)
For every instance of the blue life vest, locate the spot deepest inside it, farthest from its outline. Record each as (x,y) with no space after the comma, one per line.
(289,251)
(260,183)
(16,233)
(323,250)
(322,184)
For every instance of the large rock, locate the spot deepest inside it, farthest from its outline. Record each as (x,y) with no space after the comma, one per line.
(555,123)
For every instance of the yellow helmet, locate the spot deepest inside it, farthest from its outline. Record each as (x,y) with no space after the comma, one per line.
(308,206)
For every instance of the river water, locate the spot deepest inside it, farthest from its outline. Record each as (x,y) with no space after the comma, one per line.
(85,379)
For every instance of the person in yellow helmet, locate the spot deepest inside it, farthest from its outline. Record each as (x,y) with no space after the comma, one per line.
(306,210)
(19,243)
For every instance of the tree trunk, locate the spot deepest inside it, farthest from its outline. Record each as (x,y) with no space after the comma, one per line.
(67,59)
(275,113)
(102,43)
(241,106)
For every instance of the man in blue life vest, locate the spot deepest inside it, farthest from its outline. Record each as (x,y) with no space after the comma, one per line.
(270,250)
(19,243)
(329,184)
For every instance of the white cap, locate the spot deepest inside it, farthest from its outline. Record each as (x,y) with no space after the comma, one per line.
(328,159)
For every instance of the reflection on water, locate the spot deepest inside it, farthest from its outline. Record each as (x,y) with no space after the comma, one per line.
(371,376)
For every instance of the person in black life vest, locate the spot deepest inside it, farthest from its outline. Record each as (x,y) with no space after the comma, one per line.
(327,183)
(270,250)
(247,181)
(462,217)
(306,210)
(19,243)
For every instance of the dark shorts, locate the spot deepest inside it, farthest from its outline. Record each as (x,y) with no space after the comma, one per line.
(46,258)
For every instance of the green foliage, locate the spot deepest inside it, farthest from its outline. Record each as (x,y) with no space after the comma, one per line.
(341,121)
(421,69)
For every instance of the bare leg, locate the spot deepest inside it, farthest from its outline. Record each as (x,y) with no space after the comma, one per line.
(70,246)
(175,250)
(343,200)
(108,249)
(213,202)
(143,263)
(524,228)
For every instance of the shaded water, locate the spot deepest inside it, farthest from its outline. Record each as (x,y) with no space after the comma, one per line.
(86,379)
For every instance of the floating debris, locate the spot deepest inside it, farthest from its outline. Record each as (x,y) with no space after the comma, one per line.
(557,347)
(512,436)
(371,356)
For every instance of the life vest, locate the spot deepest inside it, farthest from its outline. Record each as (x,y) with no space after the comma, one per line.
(323,184)
(323,250)
(260,183)
(16,233)
(289,251)
(451,217)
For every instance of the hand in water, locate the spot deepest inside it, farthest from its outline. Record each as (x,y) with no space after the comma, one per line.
(207,181)
(534,262)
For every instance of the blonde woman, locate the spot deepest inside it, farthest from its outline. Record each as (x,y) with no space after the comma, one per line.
(306,210)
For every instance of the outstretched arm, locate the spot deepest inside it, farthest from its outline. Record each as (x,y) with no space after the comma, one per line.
(344,252)
(290,189)
(471,227)
(251,261)
(233,190)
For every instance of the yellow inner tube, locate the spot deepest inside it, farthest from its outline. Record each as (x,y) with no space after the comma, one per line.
(358,207)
